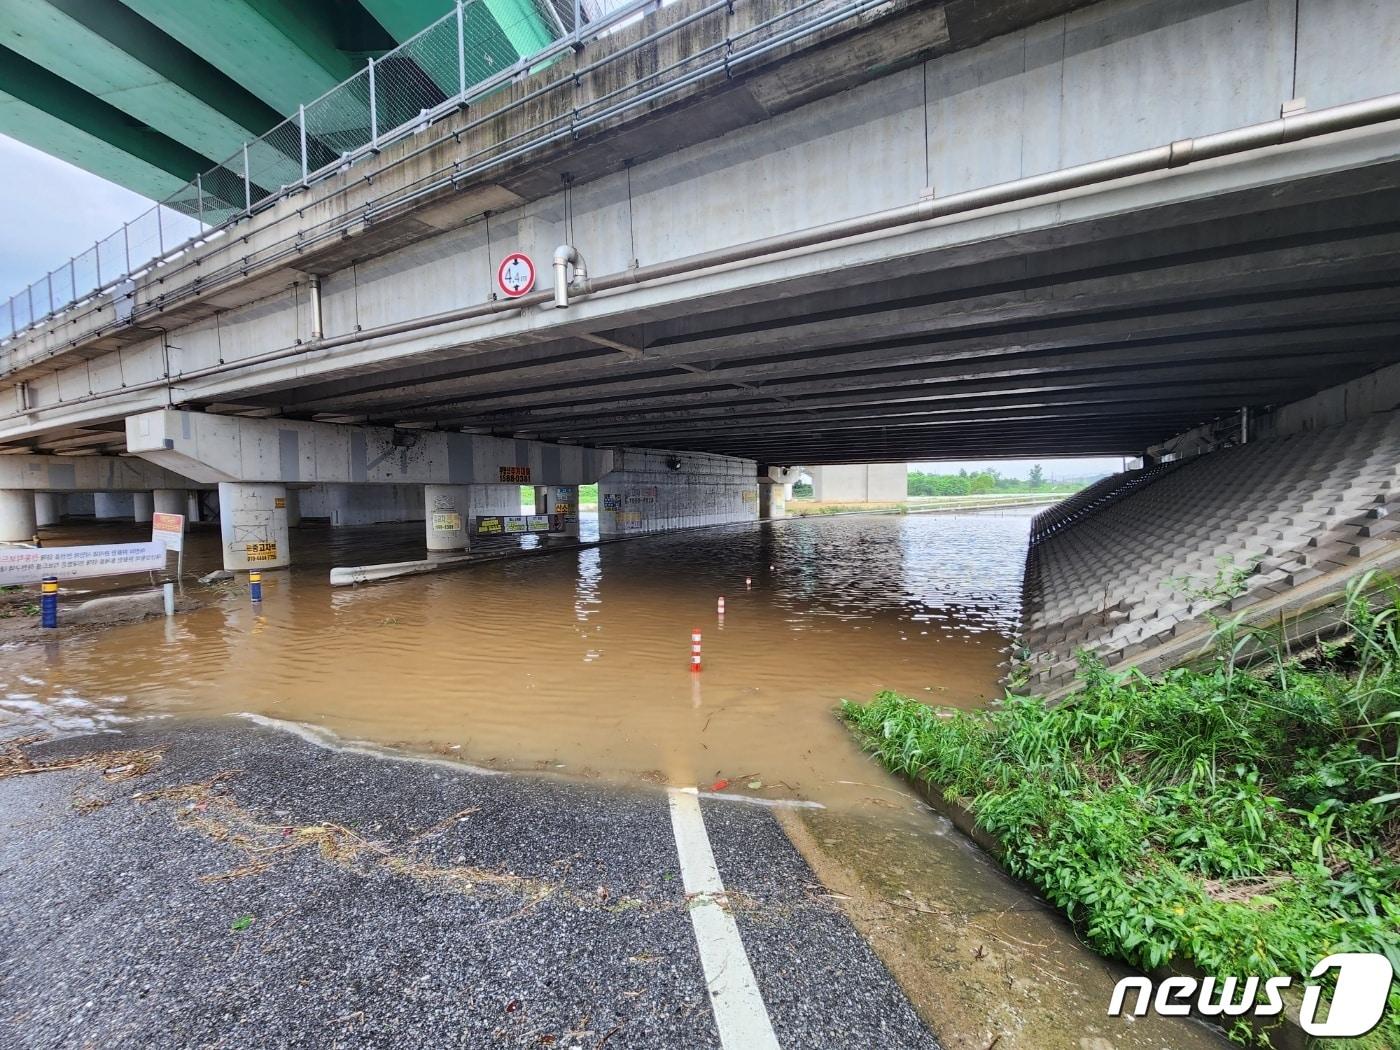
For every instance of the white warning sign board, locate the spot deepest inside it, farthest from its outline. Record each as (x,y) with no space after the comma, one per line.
(168,529)
(19,565)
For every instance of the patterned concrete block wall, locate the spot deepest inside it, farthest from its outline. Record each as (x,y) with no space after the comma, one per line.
(653,490)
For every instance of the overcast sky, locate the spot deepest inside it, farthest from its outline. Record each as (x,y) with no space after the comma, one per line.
(50,210)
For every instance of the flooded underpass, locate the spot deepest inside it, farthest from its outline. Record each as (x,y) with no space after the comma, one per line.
(575,663)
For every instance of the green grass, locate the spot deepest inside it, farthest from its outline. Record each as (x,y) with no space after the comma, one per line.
(1245,822)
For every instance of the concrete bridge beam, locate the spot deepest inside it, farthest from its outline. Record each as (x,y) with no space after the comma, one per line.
(216,448)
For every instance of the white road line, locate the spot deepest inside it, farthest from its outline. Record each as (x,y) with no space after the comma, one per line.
(740,1015)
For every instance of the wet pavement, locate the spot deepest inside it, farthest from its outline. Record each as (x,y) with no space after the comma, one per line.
(254,889)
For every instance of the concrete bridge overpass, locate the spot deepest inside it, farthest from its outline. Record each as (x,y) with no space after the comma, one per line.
(842,232)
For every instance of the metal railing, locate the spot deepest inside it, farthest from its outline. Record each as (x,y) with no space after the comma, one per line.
(468,52)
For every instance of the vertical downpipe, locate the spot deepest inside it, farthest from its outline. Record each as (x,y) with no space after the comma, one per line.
(1244,424)
(317,328)
(247,183)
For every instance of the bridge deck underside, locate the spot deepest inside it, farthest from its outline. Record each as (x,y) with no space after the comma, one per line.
(1099,337)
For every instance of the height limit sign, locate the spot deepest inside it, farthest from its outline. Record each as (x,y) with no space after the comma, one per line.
(516,275)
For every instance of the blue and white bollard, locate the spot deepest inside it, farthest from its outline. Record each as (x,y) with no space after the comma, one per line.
(48,603)
(255,586)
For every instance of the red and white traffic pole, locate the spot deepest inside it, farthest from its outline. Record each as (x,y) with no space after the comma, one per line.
(695,649)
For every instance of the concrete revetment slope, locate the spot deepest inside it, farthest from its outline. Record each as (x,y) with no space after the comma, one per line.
(1136,563)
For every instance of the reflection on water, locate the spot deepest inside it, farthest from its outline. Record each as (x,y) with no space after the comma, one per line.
(580,659)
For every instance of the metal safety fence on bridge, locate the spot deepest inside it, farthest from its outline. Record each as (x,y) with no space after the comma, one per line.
(476,49)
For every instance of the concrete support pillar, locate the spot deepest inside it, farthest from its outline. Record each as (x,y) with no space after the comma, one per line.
(48,508)
(293,508)
(193,512)
(562,500)
(542,501)
(253,525)
(110,506)
(448,516)
(772,501)
(142,504)
(169,501)
(16,515)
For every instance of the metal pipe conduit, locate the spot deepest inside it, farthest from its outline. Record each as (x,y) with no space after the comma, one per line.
(318,330)
(1172,156)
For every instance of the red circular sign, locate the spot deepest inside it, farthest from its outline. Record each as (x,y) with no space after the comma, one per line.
(516,275)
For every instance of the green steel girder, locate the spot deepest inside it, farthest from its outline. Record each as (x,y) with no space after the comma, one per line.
(526,25)
(139,91)
(115,55)
(285,53)
(47,112)
(404,18)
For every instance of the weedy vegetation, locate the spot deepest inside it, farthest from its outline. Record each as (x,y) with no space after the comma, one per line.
(1244,820)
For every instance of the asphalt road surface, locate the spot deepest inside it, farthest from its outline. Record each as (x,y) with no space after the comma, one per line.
(224,884)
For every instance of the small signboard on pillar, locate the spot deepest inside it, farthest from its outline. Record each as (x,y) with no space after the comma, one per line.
(170,530)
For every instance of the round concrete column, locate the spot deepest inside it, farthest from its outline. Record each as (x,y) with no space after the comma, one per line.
(169,501)
(541,499)
(107,506)
(192,506)
(17,515)
(447,513)
(253,525)
(48,508)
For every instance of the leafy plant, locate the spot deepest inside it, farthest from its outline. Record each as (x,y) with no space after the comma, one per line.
(1245,822)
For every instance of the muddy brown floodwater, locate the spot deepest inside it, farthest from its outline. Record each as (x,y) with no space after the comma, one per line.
(577,662)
